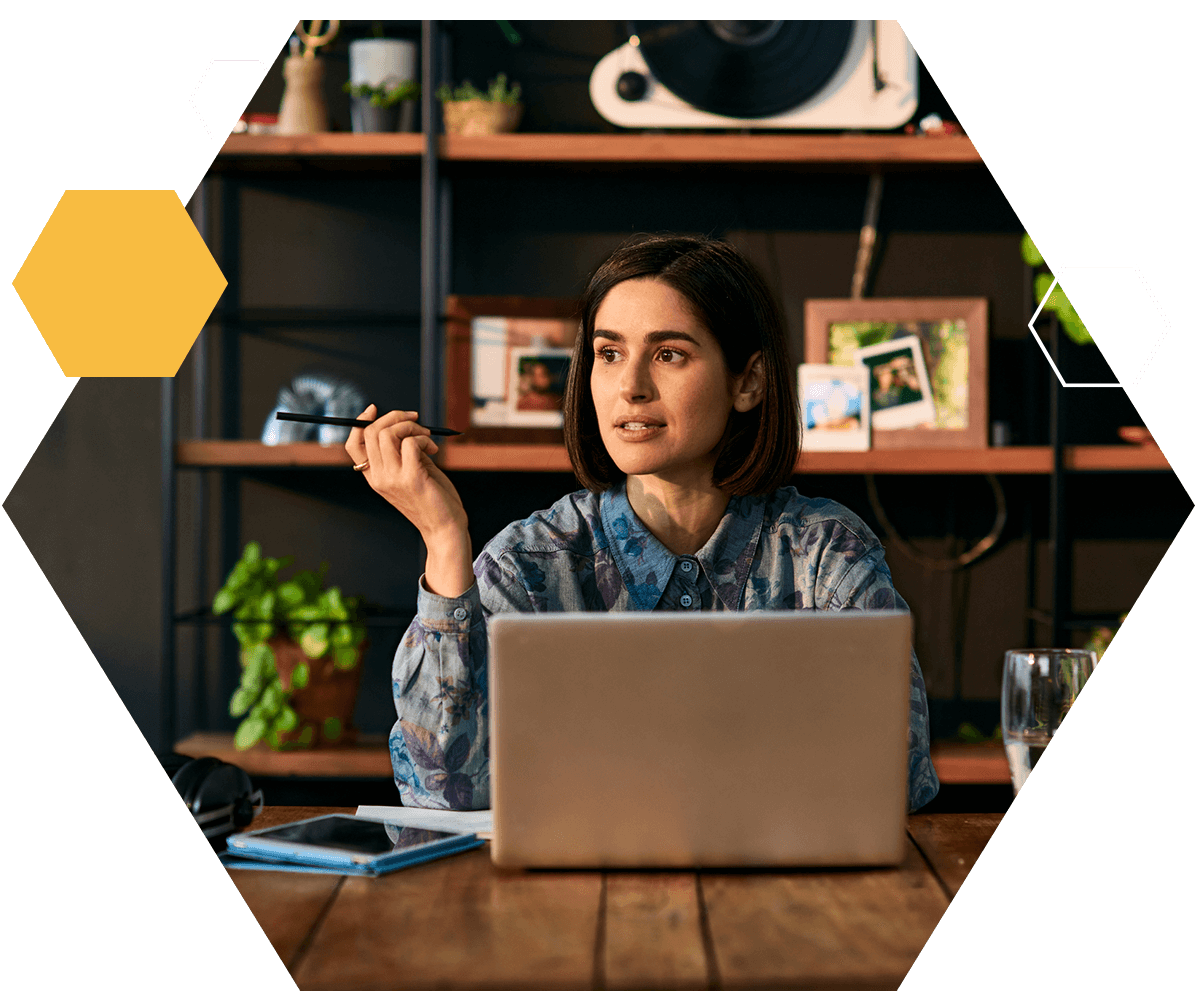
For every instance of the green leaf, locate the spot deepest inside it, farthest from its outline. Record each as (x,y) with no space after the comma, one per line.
(315,640)
(290,594)
(266,605)
(970,733)
(342,635)
(306,736)
(252,553)
(244,634)
(248,733)
(300,676)
(345,657)
(287,720)
(1029,253)
(260,663)
(272,700)
(274,740)
(224,600)
(332,728)
(241,701)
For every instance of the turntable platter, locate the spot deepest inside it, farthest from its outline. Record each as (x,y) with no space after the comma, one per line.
(744,69)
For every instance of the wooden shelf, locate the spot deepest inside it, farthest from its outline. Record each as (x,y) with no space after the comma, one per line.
(367,758)
(715,147)
(955,763)
(969,763)
(553,458)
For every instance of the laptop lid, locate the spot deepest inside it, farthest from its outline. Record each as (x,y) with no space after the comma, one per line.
(699,740)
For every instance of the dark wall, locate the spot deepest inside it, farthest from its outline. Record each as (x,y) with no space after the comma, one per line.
(324,267)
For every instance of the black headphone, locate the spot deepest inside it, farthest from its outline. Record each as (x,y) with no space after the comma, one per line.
(219,795)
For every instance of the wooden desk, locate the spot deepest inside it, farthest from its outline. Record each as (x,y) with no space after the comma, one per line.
(459,923)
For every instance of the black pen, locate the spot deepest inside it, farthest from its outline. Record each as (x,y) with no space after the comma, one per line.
(309,418)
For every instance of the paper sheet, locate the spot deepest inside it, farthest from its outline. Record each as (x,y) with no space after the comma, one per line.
(477,821)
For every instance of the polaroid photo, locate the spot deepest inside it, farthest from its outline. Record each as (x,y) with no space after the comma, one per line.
(835,408)
(537,381)
(900,392)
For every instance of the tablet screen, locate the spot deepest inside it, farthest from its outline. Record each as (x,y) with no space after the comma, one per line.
(349,834)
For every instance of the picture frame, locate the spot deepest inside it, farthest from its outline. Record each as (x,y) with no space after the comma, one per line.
(485,335)
(953,334)
(899,384)
(537,382)
(835,407)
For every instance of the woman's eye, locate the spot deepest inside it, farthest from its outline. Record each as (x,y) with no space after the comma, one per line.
(607,354)
(669,354)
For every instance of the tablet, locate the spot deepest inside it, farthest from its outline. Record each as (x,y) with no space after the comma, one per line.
(343,843)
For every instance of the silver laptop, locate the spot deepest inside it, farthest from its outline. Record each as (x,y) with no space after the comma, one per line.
(699,740)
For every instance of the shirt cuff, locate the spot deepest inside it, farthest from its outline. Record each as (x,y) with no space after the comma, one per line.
(449,614)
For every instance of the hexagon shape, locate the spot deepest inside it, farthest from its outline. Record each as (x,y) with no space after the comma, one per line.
(1141,371)
(119,283)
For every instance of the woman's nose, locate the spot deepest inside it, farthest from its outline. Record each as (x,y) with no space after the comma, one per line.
(636,383)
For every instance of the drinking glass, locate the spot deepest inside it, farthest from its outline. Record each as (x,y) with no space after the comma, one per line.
(1040,686)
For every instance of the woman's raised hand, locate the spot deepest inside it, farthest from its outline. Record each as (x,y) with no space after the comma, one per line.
(400,469)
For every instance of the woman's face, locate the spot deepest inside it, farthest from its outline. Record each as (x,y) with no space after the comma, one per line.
(659,383)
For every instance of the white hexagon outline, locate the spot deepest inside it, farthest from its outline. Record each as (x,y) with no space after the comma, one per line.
(1150,358)
(191,100)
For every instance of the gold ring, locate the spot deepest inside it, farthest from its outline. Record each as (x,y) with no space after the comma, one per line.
(362,466)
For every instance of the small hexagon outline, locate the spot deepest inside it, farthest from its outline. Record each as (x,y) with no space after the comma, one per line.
(191,99)
(1150,358)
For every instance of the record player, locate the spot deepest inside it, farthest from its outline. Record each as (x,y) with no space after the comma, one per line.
(759,74)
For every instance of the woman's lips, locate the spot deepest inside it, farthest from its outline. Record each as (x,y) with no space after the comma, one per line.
(635,431)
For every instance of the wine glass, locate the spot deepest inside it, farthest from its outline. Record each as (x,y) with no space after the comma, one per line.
(1039,687)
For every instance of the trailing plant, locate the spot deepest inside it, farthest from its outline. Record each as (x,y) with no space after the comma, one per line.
(384,97)
(321,621)
(498,91)
(1058,303)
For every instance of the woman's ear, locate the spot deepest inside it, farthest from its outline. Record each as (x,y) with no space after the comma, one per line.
(750,386)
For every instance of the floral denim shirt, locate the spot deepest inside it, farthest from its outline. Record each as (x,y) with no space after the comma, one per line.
(589,552)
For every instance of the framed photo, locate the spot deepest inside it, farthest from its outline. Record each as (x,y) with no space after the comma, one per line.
(952,334)
(537,381)
(900,393)
(507,359)
(835,407)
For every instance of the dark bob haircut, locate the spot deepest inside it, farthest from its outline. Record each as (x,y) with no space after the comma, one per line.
(729,297)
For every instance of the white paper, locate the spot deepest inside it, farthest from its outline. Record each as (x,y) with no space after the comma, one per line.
(447,820)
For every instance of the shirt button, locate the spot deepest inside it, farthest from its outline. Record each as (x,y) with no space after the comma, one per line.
(460,614)
(685,566)
(686,601)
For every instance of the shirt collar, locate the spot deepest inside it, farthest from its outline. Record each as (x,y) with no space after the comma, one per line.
(645,564)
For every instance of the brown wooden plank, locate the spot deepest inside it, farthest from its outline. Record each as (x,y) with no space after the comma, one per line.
(652,936)
(952,842)
(969,764)
(821,929)
(227,454)
(286,904)
(457,923)
(618,148)
(367,757)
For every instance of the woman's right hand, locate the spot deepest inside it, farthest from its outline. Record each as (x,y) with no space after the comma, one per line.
(402,471)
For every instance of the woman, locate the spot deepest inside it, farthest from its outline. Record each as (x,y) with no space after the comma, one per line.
(680,420)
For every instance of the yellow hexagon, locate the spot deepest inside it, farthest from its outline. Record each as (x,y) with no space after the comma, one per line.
(119,283)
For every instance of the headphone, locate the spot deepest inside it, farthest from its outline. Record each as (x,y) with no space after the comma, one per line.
(219,795)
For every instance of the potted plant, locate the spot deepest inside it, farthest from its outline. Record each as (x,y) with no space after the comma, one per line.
(469,111)
(389,107)
(301,654)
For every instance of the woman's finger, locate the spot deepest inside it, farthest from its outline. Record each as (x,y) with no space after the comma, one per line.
(356,445)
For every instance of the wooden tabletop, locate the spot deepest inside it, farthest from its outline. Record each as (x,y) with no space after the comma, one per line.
(459,923)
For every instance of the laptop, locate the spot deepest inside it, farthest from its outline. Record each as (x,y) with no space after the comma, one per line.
(657,740)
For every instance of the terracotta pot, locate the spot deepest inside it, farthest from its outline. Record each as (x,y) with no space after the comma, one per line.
(330,693)
(480,117)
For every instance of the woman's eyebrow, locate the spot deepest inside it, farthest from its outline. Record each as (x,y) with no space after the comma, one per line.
(654,337)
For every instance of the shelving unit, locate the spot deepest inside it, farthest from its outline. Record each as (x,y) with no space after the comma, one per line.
(439,158)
